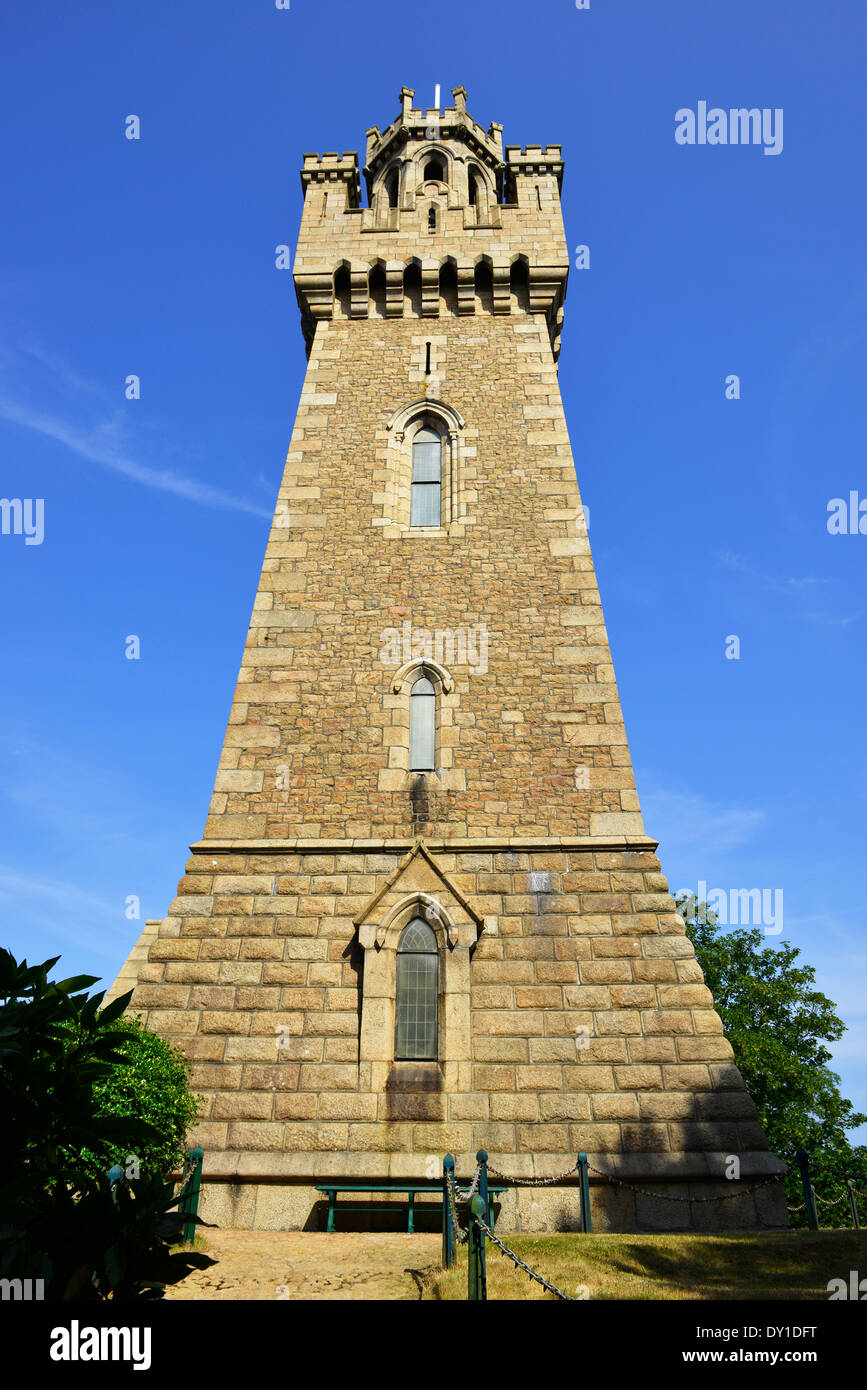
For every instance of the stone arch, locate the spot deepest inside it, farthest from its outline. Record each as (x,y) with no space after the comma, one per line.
(399,430)
(390,183)
(433,154)
(451,418)
(479,191)
(437,674)
(417,904)
(417,889)
(445,775)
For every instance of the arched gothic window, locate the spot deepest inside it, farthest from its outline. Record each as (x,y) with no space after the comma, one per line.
(422,726)
(415,1033)
(434,170)
(426,501)
(391,181)
(473,187)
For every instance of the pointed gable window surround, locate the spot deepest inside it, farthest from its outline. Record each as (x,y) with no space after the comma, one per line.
(418,893)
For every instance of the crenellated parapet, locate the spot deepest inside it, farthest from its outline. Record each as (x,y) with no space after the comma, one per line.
(451,226)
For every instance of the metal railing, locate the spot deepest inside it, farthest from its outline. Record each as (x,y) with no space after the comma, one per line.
(478,1230)
(192,1185)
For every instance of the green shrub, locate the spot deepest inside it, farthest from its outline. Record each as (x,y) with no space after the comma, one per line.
(152,1084)
(68,1086)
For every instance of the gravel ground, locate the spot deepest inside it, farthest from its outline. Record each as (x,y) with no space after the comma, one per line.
(310,1265)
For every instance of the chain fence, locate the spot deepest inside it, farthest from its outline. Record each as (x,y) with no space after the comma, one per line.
(521,1264)
(670,1197)
(535,1182)
(478,1230)
(460,1235)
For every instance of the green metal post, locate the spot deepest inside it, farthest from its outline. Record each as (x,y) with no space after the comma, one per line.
(853,1204)
(115,1178)
(482,1160)
(810,1205)
(586,1223)
(448,1233)
(477,1284)
(190,1204)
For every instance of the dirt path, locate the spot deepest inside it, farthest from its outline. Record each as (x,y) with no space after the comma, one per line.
(306,1265)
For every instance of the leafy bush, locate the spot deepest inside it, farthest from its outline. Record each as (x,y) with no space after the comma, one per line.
(59,1221)
(152,1084)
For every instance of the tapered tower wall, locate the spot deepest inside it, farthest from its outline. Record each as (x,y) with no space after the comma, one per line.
(571,1012)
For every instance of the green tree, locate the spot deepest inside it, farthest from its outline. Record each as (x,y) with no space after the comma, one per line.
(778,1025)
(59,1220)
(151,1082)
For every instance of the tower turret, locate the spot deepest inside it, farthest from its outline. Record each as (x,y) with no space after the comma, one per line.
(450,226)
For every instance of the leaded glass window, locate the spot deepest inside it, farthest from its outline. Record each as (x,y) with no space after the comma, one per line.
(426,505)
(422,726)
(417,989)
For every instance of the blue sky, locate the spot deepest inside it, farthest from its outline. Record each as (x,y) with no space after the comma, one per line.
(708,516)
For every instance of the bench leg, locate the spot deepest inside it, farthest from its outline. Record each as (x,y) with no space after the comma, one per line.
(332,1198)
(410,1217)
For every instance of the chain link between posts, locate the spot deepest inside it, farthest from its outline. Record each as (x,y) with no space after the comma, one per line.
(460,1235)
(668,1197)
(533,1182)
(472,1189)
(830,1201)
(516,1260)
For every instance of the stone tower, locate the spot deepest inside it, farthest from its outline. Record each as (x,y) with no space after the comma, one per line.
(425,915)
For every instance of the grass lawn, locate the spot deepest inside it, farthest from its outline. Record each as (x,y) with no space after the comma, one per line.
(778,1265)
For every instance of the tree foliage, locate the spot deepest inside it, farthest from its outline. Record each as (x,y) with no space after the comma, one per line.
(59,1220)
(778,1024)
(150,1083)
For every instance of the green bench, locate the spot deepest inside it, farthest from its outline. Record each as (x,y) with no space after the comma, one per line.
(331,1189)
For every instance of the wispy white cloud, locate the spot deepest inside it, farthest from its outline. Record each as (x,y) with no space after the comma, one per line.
(689,822)
(803,592)
(29,364)
(101,445)
(65,911)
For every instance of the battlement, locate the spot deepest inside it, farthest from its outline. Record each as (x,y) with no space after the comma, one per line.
(450,225)
(333,168)
(535,160)
(432,124)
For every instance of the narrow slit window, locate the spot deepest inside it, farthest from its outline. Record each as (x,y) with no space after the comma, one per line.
(427,359)
(426,501)
(432,219)
(416,995)
(422,726)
